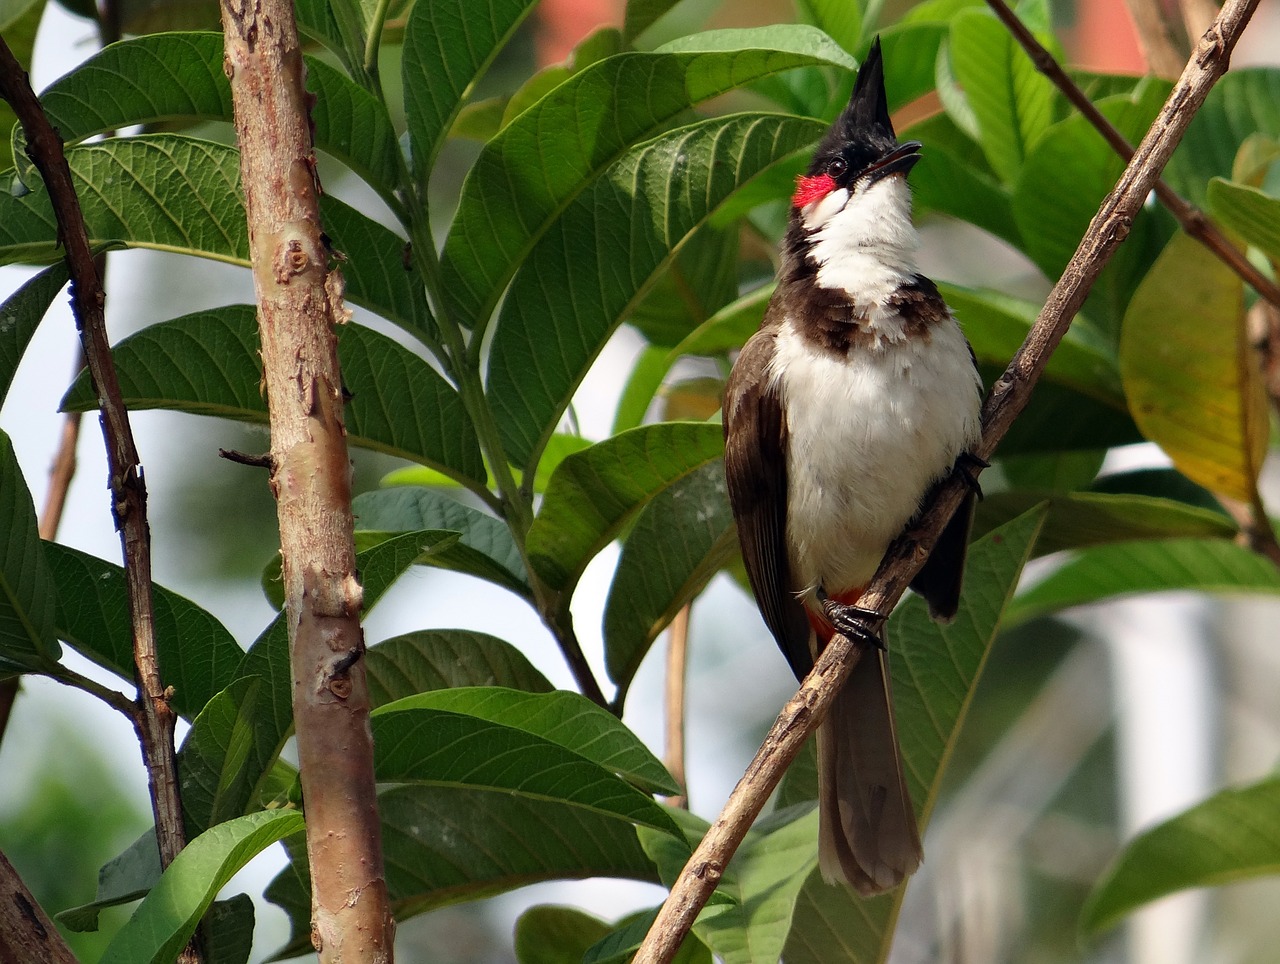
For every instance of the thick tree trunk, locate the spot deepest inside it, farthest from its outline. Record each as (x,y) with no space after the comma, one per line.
(300,302)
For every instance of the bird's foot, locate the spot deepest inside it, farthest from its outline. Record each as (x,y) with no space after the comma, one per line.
(863,625)
(967,467)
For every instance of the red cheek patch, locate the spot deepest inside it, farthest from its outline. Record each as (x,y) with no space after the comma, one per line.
(812,188)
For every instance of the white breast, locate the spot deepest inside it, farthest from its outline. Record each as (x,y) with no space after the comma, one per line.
(869,434)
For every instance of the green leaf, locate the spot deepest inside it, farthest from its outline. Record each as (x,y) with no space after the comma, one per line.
(1079,519)
(641,15)
(1249,212)
(1193,381)
(682,538)
(449,844)
(268,657)
(1012,101)
(582,128)
(122,880)
(168,916)
(584,274)
(207,363)
(28,597)
(212,773)
(1104,572)
(19,21)
(447,45)
(566,719)
(763,880)
(1244,103)
(486,548)
(619,946)
(1234,835)
(729,327)
(415,744)
(935,670)
(166,77)
(1054,472)
(173,193)
(1062,184)
(996,325)
(436,659)
(697,282)
(197,655)
(594,493)
(1161,483)
(556,935)
(228,930)
(21,314)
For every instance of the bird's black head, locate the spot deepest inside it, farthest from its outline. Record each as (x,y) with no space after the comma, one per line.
(861,145)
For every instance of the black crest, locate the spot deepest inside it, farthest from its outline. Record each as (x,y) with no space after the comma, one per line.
(863,132)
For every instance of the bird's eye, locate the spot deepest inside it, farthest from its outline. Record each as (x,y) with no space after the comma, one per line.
(836,168)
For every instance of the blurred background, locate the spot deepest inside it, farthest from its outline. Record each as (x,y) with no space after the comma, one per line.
(1047,779)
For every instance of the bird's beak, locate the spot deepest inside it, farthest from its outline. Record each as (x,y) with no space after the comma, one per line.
(898,161)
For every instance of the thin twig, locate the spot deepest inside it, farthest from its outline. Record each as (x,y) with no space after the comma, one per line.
(677,667)
(154,718)
(1008,397)
(1192,220)
(1160,46)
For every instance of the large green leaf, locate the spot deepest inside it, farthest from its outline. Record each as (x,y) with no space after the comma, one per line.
(761,882)
(174,193)
(28,597)
(996,326)
(592,265)
(1104,572)
(417,744)
(447,45)
(21,314)
(1061,185)
(553,935)
(1232,836)
(1012,101)
(567,719)
(268,657)
(1078,519)
(165,77)
(207,363)
(197,655)
(19,21)
(545,158)
(593,493)
(485,549)
(447,844)
(212,771)
(168,916)
(1243,103)
(1193,380)
(682,538)
(935,670)
(1249,212)
(435,659)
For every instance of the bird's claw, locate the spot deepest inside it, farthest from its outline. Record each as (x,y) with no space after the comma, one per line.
(863,625)
(967,467)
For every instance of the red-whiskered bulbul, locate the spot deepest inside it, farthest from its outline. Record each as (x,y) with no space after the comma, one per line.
(856,396)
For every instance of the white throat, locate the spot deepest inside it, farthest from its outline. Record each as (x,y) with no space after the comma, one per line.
(864,243)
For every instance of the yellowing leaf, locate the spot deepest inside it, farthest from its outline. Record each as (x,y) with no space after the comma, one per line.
(1193,383)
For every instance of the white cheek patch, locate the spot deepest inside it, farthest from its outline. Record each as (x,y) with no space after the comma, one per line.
(820,211)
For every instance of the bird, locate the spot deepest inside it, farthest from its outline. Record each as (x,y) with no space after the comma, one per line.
(857,395)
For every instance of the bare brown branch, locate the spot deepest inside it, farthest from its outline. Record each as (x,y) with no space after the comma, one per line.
(677,669)
(1008,397)
(1159,42)
(27,936)
(154,718)
(299,303)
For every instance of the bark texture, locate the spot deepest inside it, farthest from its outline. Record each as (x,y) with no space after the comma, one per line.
(299,303)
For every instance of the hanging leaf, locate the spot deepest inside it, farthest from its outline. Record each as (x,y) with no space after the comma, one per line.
(28,599)
(435,659)
(1193,381)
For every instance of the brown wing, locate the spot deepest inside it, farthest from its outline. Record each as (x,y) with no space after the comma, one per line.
(755,464)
